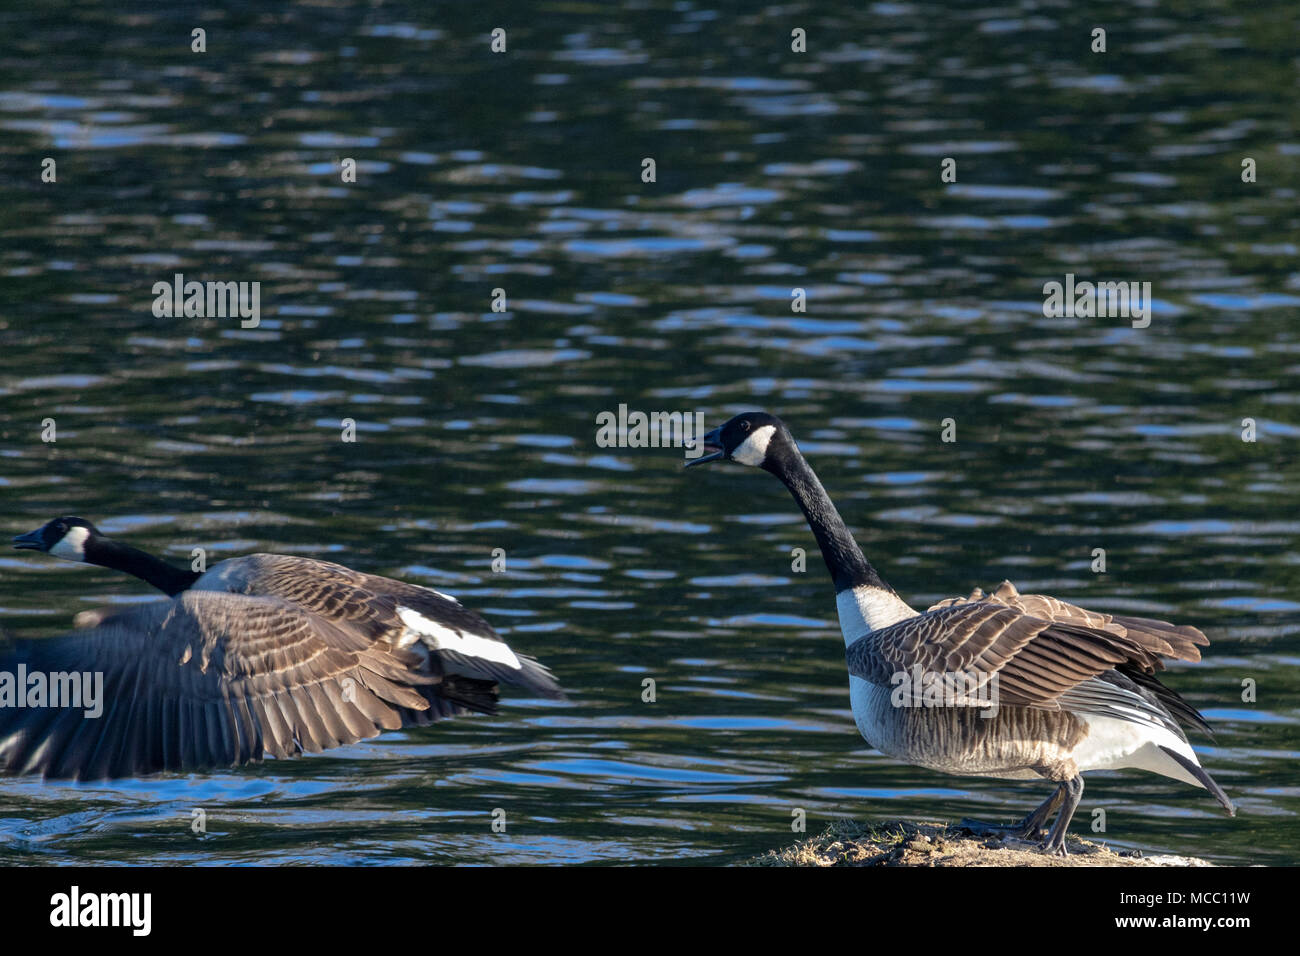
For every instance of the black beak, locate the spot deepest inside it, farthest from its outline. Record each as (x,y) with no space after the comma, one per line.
(712,443)
(31,541)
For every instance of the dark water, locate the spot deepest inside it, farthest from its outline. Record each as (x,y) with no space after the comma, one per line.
(476,430)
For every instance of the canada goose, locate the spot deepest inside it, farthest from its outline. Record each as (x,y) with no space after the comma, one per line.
(1074,689)
(264,654)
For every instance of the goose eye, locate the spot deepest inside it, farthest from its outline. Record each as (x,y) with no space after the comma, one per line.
(744,426)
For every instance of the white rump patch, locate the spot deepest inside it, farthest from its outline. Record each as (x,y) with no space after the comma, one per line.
(72,546)
(447,639)
(1115,744)
(753,449)
(864,609)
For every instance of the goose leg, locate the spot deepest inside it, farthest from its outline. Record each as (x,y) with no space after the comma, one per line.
(1073,794)
(1031,824)
(1026,829)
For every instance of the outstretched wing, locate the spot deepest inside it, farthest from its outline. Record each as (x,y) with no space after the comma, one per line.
(402,614)
(199,681)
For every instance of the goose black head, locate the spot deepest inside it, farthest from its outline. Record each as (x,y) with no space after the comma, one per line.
(64,537)
(750,438)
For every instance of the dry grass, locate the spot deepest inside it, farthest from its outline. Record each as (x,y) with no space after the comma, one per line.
(896,843)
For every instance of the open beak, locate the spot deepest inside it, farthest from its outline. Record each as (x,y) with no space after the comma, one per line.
(712,443)
(31,541)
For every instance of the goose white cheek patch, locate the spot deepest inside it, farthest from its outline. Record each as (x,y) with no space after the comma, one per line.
(445,639)
(72,546)
(753,449)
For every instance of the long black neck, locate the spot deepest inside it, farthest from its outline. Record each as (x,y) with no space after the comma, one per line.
(108,553)
(847,564)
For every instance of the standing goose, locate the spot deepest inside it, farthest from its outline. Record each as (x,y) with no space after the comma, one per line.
(1074,689)
(264,654)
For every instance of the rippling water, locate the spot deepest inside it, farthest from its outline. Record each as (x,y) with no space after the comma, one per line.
(476,429)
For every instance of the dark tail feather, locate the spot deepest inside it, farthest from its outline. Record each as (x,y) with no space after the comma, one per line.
(453,696)
(1169,698)
(536,677)
(476,695)
(1206,780)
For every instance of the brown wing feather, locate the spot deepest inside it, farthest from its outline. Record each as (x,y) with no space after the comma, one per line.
(369,603)
(1039,647)
(205,680)
(340,593)
(1177,642)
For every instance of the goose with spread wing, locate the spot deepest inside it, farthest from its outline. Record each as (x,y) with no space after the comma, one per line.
(1007,685)
(264,654)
